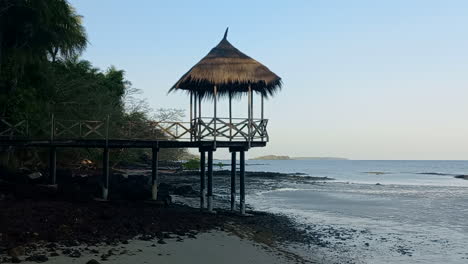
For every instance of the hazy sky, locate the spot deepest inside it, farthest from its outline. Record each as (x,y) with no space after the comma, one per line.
(362,79)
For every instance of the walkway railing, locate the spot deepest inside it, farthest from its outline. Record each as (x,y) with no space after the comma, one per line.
(200,129)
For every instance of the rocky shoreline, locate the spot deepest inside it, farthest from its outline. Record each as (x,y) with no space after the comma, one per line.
(38,223)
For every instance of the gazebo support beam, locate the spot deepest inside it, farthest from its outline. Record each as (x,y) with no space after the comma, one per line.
(202,179)
(230,116)
(242,181)
(233,181)
(210,180)
(199,117)
(261,115)
(249,139)
(191,116)
(215,93)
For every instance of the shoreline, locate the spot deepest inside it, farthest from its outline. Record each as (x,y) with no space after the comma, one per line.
(60,231)
(213,246)
(72,220)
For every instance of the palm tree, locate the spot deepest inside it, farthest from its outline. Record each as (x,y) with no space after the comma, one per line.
(35,30)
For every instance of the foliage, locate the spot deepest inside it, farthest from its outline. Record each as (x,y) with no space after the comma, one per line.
(41,73)
(193,164)
(220,165)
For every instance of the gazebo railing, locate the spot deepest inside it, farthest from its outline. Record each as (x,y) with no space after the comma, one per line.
(200,129)
(210,129)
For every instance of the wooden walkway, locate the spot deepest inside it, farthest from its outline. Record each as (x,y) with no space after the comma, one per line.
(205,134)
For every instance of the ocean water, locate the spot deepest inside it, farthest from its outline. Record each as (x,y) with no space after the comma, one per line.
(373,211)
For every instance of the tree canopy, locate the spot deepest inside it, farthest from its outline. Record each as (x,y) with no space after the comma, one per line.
(41,72)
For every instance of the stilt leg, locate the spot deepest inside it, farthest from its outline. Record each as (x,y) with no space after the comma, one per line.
(154,174)
(242,182)
(105,174)
(233,181)
(53,165)
(202,179)
(210,181)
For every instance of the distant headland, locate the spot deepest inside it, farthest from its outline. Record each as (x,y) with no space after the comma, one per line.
(276,157)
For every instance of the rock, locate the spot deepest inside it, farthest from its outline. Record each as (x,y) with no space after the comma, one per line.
(93,261)
(104,257)
(366,244)
(16,252)
(378,183)
(34,175)
(160,241)
(185,190)
(54,254)
(15,260)
(37,258)
(75,254)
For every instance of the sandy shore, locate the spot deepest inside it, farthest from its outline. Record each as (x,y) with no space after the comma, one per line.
(208,247)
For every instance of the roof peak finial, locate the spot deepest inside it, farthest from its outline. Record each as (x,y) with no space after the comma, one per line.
(225,33)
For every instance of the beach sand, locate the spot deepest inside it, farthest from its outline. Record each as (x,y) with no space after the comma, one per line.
(208,247)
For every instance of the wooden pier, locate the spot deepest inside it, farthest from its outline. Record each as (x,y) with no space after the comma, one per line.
(96,134)
(223,72)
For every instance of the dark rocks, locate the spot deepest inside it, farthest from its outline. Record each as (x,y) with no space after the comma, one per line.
(146,237)
(160,241)
(185,190)
(54,254)
(92,261)
(16,251)
(37,258)
(75,254)
(15,260)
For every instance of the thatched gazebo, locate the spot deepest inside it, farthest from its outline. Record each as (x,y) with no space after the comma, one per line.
(226,71)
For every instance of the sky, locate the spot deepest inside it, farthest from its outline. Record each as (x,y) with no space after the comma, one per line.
(362,79)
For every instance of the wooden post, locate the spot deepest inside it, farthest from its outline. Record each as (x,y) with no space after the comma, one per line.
(52,128)
(195,122)
(233,180)
(105,173)
(242,182)
(249,139)
(199,118)
(262,117)
(230,116)
(52,165)
(210,181)
(202,179)
(52,153)
(215,91)
(191,116)
(154,174)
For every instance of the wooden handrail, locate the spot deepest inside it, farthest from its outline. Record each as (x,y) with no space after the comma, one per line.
(239,129)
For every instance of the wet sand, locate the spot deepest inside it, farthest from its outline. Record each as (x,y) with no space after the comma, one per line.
(208,247)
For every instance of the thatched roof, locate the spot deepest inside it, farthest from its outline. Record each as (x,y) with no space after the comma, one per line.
(231,71)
